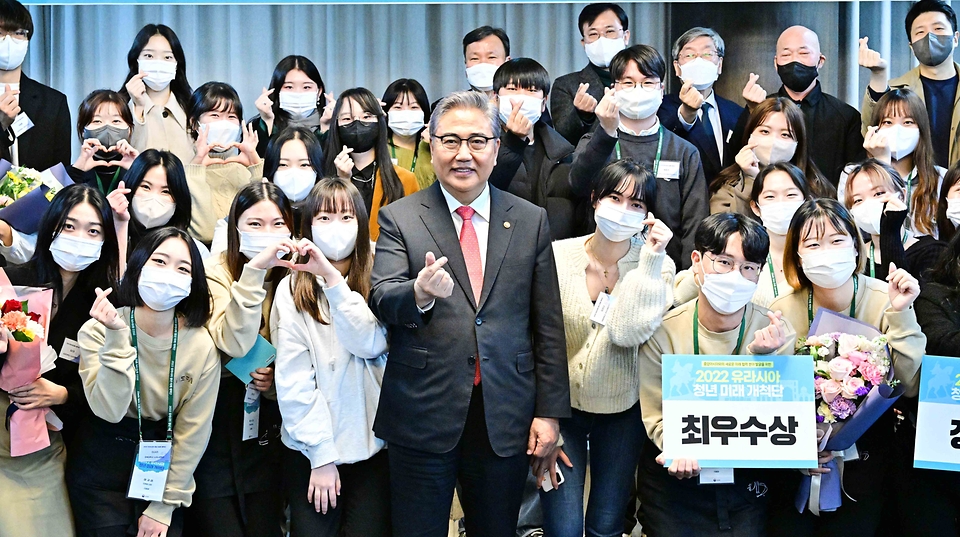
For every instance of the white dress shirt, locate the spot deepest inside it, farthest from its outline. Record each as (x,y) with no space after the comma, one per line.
(481,219)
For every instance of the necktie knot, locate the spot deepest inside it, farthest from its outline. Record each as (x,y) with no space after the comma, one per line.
(466,212)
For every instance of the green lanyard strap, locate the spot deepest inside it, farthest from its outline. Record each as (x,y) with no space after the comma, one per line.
(136,369)
(113,182)
(773,276)
(853,301)
(656,161)
(416,153)
(696,329)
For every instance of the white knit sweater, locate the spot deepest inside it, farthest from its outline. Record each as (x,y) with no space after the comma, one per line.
(604,373)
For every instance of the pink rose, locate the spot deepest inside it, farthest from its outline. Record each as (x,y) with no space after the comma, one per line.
(840,368)
(830,390)
(850,387)
(857,357)
(871,372)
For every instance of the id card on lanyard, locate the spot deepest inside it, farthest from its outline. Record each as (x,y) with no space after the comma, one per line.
(151,465)
(251,413)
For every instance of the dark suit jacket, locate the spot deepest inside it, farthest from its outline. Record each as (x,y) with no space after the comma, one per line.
(570,122)
(517,327)
(47,143)
(697,135)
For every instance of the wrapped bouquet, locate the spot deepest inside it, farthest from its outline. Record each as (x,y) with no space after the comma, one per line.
(25,194)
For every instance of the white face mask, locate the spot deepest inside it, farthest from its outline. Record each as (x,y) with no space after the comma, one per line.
(776,216)
(867,214)
(160,73)
(953,211)
(530,107)
(480,75)
(254,242)
(700,72)
(335,239)
(405,122)
(74,254)
(902,140)
(727,293)
(162,289)
(151,210)
(12,52)
(771,150)
(829,268)
(638,103)
(222,133)
(616,224)
(601,51)
(295,182)
(300,104)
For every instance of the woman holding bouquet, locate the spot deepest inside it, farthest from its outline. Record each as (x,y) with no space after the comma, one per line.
(238,479)
(77,252)
(138,362)
(822,262)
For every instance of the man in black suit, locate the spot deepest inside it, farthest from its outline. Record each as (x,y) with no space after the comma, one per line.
(697,114)
(604,31)
(464,277)
(34,119)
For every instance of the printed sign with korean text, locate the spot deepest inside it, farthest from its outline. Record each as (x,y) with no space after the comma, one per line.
(938,415)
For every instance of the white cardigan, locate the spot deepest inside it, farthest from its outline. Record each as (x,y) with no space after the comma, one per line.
(328,377)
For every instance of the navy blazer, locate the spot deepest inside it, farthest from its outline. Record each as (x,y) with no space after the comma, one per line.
(47,143)
(517,326)
(699,137)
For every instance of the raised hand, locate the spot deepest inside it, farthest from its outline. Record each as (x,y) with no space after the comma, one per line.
(344,163)
(518,123)
(248,155)
(432,281)
(128,155)
(658,234)
(88,149)
(138,91)
(119,203)
(608,112)
(903,289)
(870,58)
(9,106)
(103,311)
(265,105)
(583,101)
(313,261)
(327,116)
(690,101)
(876,144)
(747,160)
(271,255)
(768,340)
(752,92)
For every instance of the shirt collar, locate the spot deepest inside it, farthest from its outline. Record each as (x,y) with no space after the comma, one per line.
(811,99)
(648,132)
(481,205)
(712,100)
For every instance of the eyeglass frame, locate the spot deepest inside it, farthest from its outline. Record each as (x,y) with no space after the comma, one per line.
(24,37)
(486,141)
(706,55)
(623,85)
(745,264)
(618,34)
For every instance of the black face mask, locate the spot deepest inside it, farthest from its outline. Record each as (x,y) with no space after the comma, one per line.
(797,76)
(359,136)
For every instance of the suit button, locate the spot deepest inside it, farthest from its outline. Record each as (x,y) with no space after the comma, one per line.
(472,360)
(479,321)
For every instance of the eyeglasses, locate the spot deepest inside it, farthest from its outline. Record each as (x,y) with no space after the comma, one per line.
(609,33)
(648,85)
(724,264)
(475,142)
(20,34)
(709,56)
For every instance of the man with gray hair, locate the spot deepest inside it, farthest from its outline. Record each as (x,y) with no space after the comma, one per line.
(464,278)
(696,113)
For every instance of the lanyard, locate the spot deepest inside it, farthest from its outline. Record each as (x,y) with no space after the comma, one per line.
(656,161)
(873,270)
(416,153)
(773,276)
(136,368)
(696,329)
(910,179)
(853,301)
(113,182)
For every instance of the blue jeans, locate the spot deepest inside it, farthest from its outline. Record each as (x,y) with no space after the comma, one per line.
(615,442)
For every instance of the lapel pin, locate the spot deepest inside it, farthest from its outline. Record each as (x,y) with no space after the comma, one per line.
(506,225)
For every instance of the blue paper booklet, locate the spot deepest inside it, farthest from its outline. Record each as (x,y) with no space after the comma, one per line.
(261,355)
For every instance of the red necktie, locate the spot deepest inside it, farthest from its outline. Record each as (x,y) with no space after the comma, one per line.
(470,247)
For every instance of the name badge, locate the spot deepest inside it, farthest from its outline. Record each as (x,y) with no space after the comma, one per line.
(251,413)
(602,308)
(70,351)
(716,476)
(396,162)
(668,169)
(150,469)
(21,124)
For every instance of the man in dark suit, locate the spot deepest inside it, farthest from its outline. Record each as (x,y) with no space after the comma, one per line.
(697,114)
(34,119)
(477,378)
(604,31)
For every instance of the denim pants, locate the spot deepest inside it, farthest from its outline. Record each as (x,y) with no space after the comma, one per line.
(615,443)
